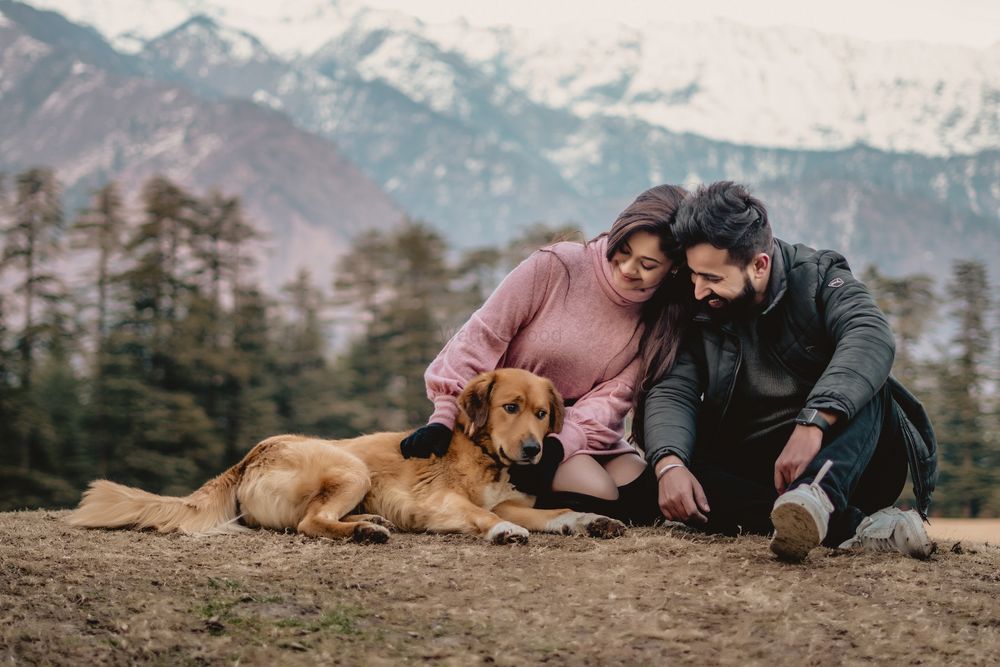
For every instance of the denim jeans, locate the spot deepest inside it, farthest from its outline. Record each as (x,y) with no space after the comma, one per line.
(868,473)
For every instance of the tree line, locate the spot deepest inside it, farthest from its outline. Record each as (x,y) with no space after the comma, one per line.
(165,359)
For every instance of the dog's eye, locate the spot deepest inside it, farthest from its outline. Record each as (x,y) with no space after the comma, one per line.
(511,408)
(541,414)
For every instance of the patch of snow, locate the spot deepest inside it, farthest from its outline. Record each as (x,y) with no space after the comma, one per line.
(264,98)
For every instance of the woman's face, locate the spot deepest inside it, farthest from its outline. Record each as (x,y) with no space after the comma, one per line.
(639,264)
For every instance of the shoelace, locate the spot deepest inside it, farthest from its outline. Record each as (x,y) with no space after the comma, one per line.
(874,543)
(817,490)
(878,543)
(822,472)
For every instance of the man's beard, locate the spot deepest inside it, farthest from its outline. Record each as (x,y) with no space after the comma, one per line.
(741,307)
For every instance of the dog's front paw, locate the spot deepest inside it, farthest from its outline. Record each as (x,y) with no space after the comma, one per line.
(604,527)
(369,533)
(506,532)
(578,523)
(382,521)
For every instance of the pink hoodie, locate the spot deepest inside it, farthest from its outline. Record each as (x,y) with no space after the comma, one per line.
(559,315)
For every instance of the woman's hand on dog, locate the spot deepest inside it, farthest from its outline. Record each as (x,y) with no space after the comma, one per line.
(431,439)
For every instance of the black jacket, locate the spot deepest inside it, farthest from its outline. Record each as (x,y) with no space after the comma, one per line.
(826,328)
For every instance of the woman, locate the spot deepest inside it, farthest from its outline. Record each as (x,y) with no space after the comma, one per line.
(577,314)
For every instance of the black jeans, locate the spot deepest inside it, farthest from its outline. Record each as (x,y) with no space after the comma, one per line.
(868,473)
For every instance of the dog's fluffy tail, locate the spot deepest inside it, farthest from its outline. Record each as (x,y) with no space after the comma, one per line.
(212,509)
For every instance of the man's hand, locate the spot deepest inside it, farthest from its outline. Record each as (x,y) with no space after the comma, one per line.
(681,495)
(801,449)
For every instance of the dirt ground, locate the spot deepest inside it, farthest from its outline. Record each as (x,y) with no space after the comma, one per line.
(656,596)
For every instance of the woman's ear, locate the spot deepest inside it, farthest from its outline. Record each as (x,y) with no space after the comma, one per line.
(474,401)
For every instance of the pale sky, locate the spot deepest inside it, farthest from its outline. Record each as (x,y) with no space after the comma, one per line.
(974,23)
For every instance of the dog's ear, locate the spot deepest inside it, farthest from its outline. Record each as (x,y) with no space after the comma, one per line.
(556,410)
(475,402)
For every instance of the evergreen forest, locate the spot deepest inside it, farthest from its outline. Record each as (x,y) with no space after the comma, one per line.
(146,350)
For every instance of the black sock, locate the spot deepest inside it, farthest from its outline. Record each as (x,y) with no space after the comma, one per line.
(842,526)
(638,501)
(578,502)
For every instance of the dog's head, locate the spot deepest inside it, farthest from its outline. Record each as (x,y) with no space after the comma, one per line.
(510,411)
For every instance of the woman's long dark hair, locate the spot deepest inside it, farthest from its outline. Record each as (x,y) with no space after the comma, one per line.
(666,314)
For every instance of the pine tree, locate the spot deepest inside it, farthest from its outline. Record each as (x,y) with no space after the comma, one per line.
(220,242)
(221,239)
(32,241)
(410,305)
(306,392)
(363,280)
(423,301)
(993,421)
(968,466)
(477,274)
(101,229)
(154,374)
(250,409)
(157,281)
(55,397)
(7,397)
(910,304)
(363,284)
(6,371)
(38,404)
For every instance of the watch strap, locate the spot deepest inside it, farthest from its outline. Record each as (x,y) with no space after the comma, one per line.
(812,417)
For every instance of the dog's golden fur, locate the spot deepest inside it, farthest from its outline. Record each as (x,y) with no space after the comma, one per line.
(314,485)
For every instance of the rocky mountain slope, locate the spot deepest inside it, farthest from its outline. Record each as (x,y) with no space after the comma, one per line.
(73,103)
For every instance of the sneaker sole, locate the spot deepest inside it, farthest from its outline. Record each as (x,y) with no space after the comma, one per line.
(795,532)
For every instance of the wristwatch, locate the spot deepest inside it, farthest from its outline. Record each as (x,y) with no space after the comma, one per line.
(812,417)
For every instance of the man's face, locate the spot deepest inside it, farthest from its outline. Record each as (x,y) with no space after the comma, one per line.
(724,287)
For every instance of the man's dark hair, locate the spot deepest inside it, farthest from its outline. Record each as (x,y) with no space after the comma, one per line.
(725,215)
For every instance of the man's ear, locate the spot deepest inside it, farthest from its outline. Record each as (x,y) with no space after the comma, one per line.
(474,401)
(557,411)
(760,264)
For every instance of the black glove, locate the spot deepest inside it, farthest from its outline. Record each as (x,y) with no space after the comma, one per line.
(537,479)
(426,440)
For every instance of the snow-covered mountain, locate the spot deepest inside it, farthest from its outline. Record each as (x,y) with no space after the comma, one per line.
(447,120)
(779,87)
(73,103)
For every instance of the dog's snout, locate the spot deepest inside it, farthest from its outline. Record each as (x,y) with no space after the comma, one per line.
(530,449)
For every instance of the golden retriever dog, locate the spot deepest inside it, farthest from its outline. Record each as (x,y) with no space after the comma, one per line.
(362,487)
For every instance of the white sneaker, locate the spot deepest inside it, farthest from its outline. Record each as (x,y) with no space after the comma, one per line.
(800,519)
(892,529)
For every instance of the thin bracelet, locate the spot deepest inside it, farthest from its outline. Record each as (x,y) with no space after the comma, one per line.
(663,472)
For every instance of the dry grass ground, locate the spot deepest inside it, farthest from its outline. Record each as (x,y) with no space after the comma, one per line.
(656,596)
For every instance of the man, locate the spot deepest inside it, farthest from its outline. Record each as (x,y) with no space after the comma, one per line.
(780,413)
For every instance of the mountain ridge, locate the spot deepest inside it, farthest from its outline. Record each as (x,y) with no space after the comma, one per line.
(96,119)
(485,160)
(933,99)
